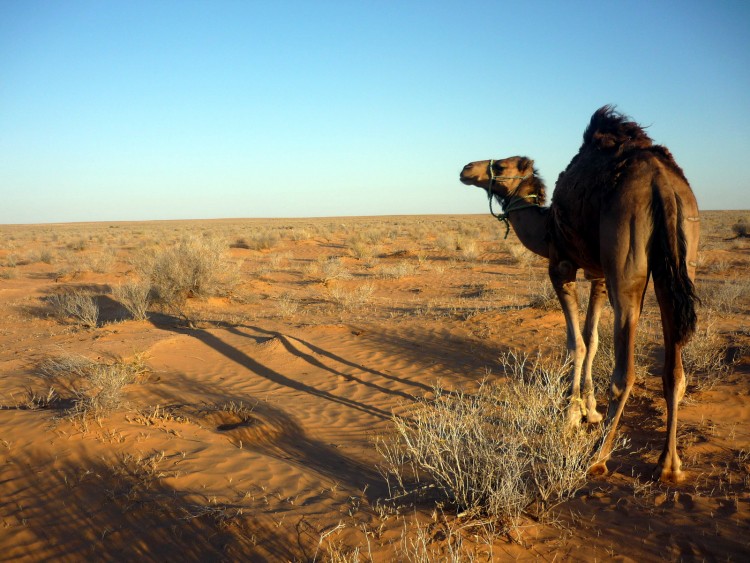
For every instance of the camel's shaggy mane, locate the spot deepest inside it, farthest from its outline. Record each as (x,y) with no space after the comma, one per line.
(612,133)
(610,130)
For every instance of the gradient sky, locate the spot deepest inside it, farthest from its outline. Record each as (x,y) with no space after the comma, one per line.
(177,109)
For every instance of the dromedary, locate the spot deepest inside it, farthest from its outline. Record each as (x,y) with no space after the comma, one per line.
(622,211)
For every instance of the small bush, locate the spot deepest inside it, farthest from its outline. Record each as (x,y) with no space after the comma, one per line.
(46,256)
(8,273)
(545,298)
(725,296)
(351,300)
(469,251)
(76,304)
(705,357)
(96,387)
(194,267)
(258,240)
(445,242)
(135,297)
(397,271)
(502,452)
(101,262)
(333,269)
(741,228)
(520,255)
(287,305)
(361,249)
(299,234)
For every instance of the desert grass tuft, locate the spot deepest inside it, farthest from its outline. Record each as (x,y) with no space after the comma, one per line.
(135,297)
(545,297)
(352,299)
(75,304)
(726,296)
(706,359)
(95,387)
(194,267)
(503,451)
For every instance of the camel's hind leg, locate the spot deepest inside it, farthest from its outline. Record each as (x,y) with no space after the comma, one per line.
(669,467)
(627,299)
(591,338)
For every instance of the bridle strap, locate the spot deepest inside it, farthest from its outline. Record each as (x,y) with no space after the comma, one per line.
(511,202)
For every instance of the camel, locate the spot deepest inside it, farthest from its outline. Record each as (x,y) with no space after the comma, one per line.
(622,211)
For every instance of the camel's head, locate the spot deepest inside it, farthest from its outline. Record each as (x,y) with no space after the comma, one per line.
(504,175)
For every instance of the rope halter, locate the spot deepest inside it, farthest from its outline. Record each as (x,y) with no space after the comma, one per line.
(510,202)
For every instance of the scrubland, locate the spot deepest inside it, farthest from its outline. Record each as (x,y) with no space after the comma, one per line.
(346,389)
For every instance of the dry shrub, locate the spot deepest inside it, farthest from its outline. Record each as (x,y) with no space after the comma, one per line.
(445,242)
(79,305)
(469,251)
(194,267)
(299,234)
(520,255)
(46,256)
(354,299)
(397,271)
(503,451)
(96,387)
(135,297)
(545,298)
(8,273)
(101,262)
(287,305)
(258,240)
(329,269)
(741,228)
(705,357)
(360,248)
(78,244)
(725,296)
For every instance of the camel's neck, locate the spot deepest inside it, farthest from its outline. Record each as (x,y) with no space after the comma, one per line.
(530,226)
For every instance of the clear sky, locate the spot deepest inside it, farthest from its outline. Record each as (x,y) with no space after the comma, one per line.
(165,109)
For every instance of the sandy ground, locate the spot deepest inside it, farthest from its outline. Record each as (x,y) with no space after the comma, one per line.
(250,436)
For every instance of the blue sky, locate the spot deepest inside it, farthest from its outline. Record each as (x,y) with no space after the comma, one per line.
(177,109)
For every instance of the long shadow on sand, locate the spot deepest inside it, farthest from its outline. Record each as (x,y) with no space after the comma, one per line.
(241,358)
(113,511)
(272,432)
(289,344)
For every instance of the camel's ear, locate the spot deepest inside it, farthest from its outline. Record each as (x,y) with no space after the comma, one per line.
(525,165)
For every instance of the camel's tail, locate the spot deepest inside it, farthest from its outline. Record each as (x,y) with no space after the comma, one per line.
(668,261)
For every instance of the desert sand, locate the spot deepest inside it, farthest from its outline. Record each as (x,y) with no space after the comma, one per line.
(249,436)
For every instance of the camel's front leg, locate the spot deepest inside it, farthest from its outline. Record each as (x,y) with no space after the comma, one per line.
(563,277)
(597,296)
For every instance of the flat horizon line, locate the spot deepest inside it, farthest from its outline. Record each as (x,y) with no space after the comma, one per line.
(307,218)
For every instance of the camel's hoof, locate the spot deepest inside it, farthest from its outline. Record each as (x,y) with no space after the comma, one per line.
(598,469)
(669,475)
(573,417)
(593,417)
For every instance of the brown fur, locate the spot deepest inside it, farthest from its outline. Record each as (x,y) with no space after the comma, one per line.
(619,212)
